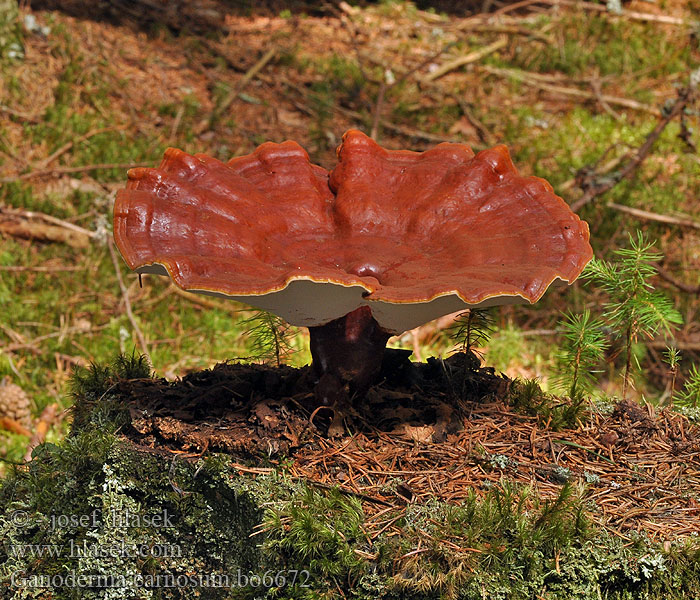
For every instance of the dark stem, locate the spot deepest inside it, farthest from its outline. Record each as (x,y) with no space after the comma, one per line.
(577,364)
(628,363)
(349,349)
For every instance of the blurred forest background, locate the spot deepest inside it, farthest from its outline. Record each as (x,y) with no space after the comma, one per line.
(599,99)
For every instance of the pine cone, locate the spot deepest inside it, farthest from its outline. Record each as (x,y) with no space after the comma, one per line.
(14,403)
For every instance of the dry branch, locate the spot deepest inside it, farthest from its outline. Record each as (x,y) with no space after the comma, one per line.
(469,58)
(245,80)
(531,80)
(685,287)
(14,426)
(67,146)
(652,216)
(17,226)
(602,8)
(507,29)
(33,225)
(64,170)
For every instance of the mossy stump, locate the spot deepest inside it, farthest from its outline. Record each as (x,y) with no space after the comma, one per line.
(116,510)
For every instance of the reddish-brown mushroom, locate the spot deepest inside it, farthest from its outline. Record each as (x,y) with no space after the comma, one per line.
(385,242)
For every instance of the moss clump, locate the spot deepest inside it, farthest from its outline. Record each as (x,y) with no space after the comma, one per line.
(93,406)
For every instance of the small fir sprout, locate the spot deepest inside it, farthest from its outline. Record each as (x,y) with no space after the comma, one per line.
(583,349)
(672,357)
(472,328)
(633,307)
(271,337)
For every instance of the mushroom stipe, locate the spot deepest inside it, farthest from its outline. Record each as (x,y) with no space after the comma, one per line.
(386,241)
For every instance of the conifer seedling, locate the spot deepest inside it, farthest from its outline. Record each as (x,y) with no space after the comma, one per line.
(471,329)
(673,358)
(583,349)
(271,337)
(633,307)
(690,395)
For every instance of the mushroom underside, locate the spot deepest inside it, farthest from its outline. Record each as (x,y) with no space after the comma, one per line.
(348,330)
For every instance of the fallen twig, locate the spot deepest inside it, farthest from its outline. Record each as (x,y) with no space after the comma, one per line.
(407,131)
(471,57)
(662,345)
(482,131)
(63,149)
(25,116)
(65,170)
(14,426)
(30,214)
(507,29)
(686,287)
(530,79)
(245,80)
(651,216)
(405,75)
(26,229)
(602,8)
(56,269)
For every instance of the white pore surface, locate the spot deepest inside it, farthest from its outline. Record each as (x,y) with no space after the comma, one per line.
(307,303)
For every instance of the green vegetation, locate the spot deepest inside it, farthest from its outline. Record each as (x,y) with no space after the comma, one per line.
(583,347)
(472,329)
(271,338)
(633,307)
(554,413)
(690,395)
(610,48)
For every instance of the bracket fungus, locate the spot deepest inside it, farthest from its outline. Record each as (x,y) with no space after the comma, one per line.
(386,241)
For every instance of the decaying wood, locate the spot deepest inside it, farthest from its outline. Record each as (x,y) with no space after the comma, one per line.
(625,458)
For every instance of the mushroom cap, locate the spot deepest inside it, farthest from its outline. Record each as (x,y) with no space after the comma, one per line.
(413,235)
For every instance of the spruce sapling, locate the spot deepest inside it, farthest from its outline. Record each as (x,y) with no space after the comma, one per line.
(673,358)
(633,308)
(690,395)
(583,349)
(471,329)
(271,337)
